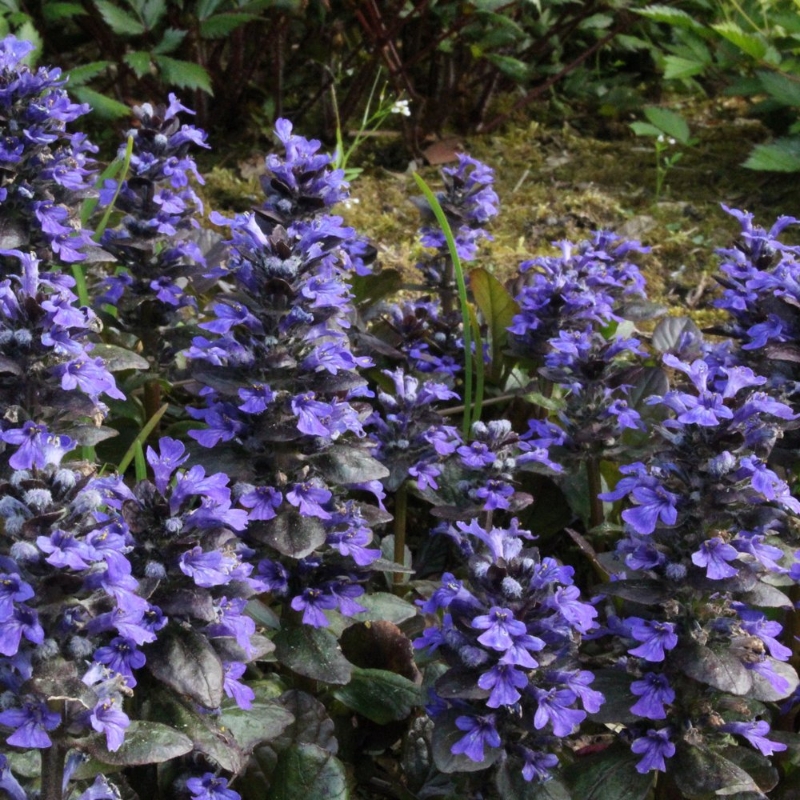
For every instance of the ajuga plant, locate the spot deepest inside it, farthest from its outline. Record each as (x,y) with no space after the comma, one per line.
(571,332)
(46,171)
(708,537)
(429,328)
(761,294)
(513,690)
(48,376)
(153,244)
(282,382)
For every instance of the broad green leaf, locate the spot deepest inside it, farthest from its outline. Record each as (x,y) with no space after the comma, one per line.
(763,689)
(714,667)
(670,16)
(498,308)
(379,695)
(307,772)
(145,743)
(85,72)
(669,122)
(311,723)
(781,87)
(610,775)
(263,722)
(313,652)
(384,606)
(646,129)
(118,20)
(205,8)
(672,331)
(170,41)
(184,74)
(28,31)
(700,772)
(207,737)
(749,43)
(139,62)
(678,67)
(103,106)
(782,155)
(220,25)
(342,464)
(184,660)
(369,289)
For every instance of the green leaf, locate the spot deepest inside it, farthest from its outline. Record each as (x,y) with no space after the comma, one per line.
(369,289)
(169,41)
(342,464)
(55,12)
(717,668)
(379,695)
(669,122)
(152,12)
(118,20)
(670,16)
(307,772)
(118,358)
(145,743)
(763,688)
(205,8)
(207,738)
(781,87)
(85,72)
(221,25)
(184,74)
(700,772)
(615,686)
(28,32)
(184,660)
(103,106)
(498,308)
(679,68)
(139,62)
(291,533)
(610,775)
(313,652)
(384,606)
(311,724)
(515,69)
(749,43)
(782,155)
(263,722)
(646,129)
(670,330)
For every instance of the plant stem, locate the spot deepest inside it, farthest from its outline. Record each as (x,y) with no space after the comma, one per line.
(53,759)
(596,516)
(400,516)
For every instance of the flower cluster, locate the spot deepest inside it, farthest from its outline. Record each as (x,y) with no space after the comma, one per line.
(707,528)
(47,372)
(583,286)
(46,171)
(281,383)
(153,240)
(509,635)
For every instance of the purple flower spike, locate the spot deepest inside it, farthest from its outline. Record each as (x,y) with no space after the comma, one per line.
(481,732)
(309,499)
(111,720)
(312,603)
(554,707)
(653,504)
(655,747)
(503,681)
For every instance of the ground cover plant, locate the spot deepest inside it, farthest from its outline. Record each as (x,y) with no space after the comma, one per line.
(274,527)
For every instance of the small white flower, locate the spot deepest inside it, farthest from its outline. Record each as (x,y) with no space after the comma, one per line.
(400,107)
(671,140)
(350,202)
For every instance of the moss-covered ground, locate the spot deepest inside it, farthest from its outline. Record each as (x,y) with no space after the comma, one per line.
(561,180)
